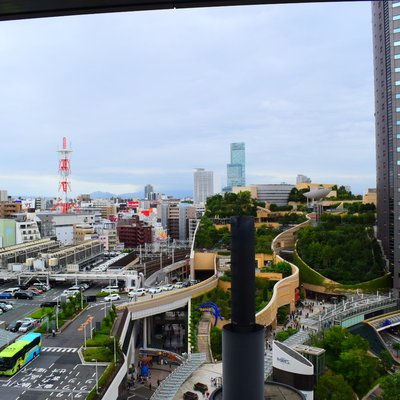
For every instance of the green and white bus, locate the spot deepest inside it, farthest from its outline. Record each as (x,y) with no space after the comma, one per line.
(18,354)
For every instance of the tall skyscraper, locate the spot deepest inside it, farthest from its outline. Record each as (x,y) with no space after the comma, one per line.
(203,185)
(386,43)
(236,170)
(148,190)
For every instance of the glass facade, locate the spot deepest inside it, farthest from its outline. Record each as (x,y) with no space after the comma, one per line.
(386,41)
(236,170)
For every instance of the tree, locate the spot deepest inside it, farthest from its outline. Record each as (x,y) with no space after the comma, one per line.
(386,360)
(360,369)
(333,387)
(396,346)
(391,387)
(282,314)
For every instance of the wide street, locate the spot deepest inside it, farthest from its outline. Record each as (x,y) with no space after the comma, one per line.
(58,371)
(54,374)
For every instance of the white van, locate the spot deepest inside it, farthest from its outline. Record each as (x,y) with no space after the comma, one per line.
(111,289)
(137,292)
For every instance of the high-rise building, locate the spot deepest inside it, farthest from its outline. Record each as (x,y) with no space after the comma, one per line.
(3,195)
(148,191)
(236,170)
(386,44)
(302,179)
(203,185)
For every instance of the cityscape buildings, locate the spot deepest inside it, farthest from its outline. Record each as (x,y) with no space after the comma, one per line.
(386,48)
(203,185)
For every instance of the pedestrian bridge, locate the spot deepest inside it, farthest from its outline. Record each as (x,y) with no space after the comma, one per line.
(357,309)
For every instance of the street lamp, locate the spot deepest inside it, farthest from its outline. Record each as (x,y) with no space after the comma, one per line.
(115,352)
(57,314)
(97,382)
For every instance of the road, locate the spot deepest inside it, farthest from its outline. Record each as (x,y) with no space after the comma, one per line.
(57,373)
(52,375)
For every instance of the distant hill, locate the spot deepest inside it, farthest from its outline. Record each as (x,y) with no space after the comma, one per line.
(102,195)
(137,195)
(108,195)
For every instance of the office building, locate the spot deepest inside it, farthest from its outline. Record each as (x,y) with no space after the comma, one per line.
(133,232)
(302,179)
(274,193)
(386,47)
(203,185)
(148,192)
(3,195)
(8,208)
(236,170)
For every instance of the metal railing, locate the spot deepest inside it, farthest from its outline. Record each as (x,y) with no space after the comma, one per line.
(170,386)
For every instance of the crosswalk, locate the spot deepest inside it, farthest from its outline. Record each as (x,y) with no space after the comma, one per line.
(60,349)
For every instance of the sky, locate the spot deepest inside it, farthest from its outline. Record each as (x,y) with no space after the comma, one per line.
(147,97)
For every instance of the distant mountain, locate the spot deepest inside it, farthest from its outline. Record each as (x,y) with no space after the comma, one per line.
(136,195)
(108,195)
(102,195)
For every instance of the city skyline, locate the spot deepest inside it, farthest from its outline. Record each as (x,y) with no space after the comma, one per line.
(116,85)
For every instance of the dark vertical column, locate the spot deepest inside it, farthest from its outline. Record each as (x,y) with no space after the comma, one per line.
(243,339)
(242,270)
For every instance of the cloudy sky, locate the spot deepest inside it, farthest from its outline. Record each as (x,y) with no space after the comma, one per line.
(146,97)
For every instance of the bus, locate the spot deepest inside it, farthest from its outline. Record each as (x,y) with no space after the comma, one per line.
(18,354)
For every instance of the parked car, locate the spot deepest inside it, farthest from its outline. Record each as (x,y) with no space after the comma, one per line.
(26,326)
(48,304)
(111,289)
(12,290)
(29,319)
(137,292)
(42,286)
(5,295)
(112,297)
(167,287)
(85,285)
(7,302)
(76,287)
(5,307)
(14,326)
(34,290)
(178,285)
(23,295)
(155,290)
(70,292)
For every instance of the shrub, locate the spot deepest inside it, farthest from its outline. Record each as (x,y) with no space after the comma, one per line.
(101,354)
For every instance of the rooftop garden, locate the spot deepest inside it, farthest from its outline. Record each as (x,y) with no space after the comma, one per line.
(342,248)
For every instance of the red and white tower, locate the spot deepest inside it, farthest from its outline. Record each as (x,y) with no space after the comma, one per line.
(64,171)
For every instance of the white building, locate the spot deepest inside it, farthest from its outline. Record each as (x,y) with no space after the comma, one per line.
(3,195)
(26,231)
(302,179)
(203,185)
